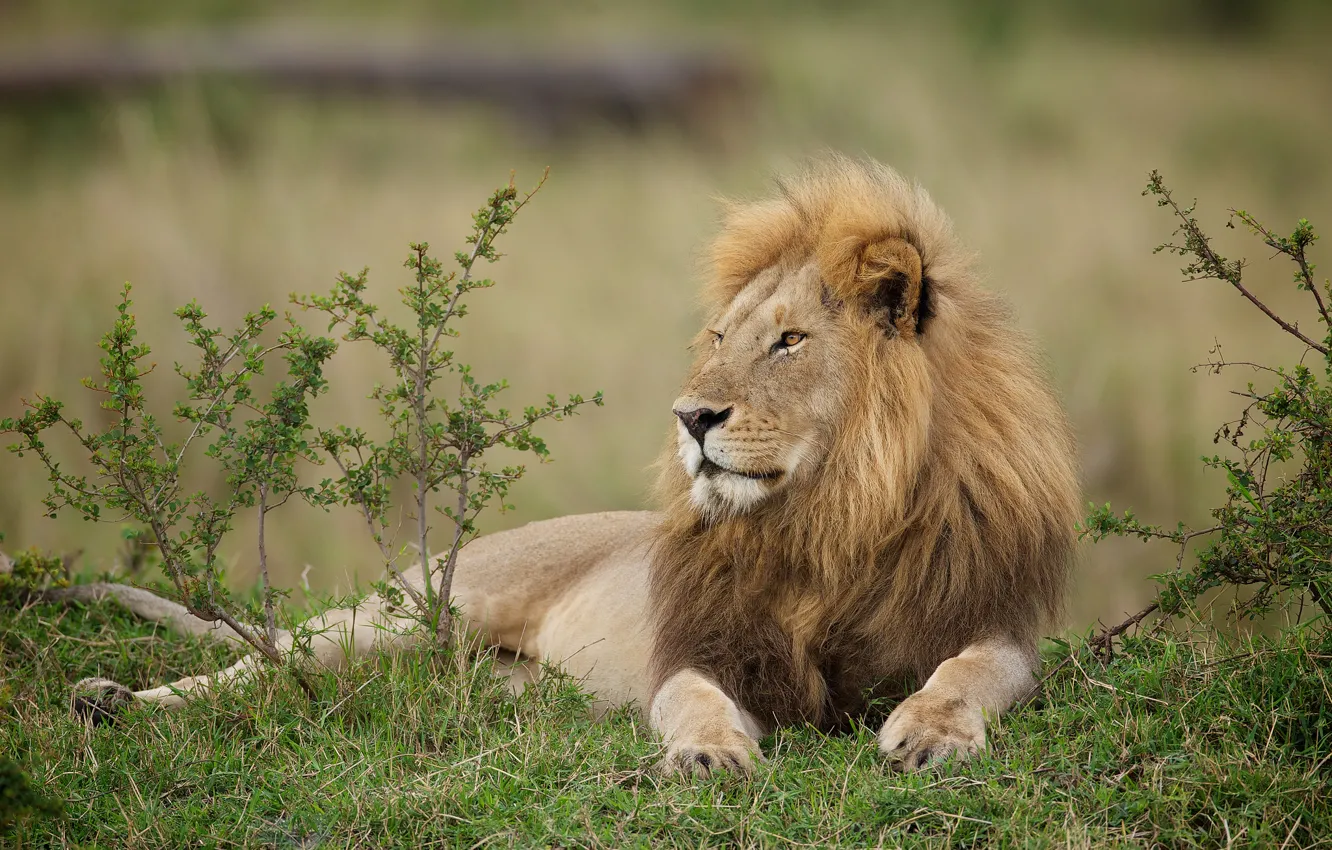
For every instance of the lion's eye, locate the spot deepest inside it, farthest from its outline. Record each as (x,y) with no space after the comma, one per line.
(717,339)
(791,339)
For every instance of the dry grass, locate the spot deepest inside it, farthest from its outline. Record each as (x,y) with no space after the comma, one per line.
(238,197)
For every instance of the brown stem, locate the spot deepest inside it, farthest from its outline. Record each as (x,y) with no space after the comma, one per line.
(1219,271)
(422,451)
(1306,274)
(1107,636)
(269,618)
(438,603)
(177,574)
(268,650)
(444,625)
(427,349)
(1286,326)
(385,554)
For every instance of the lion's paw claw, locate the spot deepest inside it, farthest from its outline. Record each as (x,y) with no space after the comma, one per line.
(927,729)
(702,760)
(99,701)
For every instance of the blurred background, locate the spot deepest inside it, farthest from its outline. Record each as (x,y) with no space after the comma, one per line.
(236,151)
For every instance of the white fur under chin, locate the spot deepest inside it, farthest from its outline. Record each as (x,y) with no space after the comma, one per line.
(725,494)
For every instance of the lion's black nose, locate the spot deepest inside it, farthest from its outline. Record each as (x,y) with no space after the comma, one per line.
(700,420)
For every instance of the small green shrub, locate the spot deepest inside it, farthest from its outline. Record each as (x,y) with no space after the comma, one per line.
(18,799)
(434,443)
(29,572)
(1272,536)
(137,469)
(260,443)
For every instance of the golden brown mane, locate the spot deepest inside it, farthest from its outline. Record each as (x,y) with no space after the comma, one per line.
(944,512)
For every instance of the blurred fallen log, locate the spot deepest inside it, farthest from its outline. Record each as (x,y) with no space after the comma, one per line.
(628,88)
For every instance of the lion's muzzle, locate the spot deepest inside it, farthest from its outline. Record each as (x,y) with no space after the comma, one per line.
(698,421)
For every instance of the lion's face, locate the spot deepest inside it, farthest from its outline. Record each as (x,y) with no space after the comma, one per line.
(772,382)
(757,410)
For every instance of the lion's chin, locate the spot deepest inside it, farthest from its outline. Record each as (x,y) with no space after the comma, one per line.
(719,491)
(717,494)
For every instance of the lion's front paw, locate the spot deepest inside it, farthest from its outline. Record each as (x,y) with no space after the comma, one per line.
(98,701)
(928,728)
(735,753)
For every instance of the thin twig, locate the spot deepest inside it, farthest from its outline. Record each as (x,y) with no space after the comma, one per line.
(423,368)
(1219,270)
(1100,643)
(1297,254)
(263,553)
(202,420)
(438,601)
(389,560)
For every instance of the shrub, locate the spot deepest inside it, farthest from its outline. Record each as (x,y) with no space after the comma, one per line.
(1272,536)
(29,572)
(260,443)
(434,443)
(18,799)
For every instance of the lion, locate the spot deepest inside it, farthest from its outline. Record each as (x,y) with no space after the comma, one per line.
(869,498)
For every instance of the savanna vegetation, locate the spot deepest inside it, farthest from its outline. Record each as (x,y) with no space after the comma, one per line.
(1209,726)
(1182,740)
(1156,731)
(1030,127)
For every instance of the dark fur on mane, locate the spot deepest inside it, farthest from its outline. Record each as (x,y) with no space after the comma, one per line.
(943,514)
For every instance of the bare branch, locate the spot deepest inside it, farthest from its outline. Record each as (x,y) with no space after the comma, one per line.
(1101,643)
(269,651)
(1217,267)
(1297,254)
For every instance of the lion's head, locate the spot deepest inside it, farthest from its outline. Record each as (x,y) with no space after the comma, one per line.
(813,376)
(864,439)
(784,364)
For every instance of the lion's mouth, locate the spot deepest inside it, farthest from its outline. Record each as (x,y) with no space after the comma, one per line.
(710,467)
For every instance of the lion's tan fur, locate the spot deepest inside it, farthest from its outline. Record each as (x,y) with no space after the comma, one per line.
(944,512)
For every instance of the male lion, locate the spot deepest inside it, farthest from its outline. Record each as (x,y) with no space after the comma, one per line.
(875,486)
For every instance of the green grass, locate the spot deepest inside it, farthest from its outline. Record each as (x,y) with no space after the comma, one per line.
(1178,742)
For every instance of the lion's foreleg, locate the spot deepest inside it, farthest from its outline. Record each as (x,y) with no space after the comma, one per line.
(703,729)
(947,716)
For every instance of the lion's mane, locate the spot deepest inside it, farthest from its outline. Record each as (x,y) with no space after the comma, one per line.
(943,514)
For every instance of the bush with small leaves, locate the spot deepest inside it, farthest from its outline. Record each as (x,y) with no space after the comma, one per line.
(19,800)
(1272,536)
(27,573)
(259,444)
(138,469)
(435,443)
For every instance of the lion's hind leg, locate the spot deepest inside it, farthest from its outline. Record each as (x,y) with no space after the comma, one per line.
(329,640)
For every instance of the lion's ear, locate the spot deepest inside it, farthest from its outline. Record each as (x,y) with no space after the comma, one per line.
(890,276)
(888,283)
(882,276)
